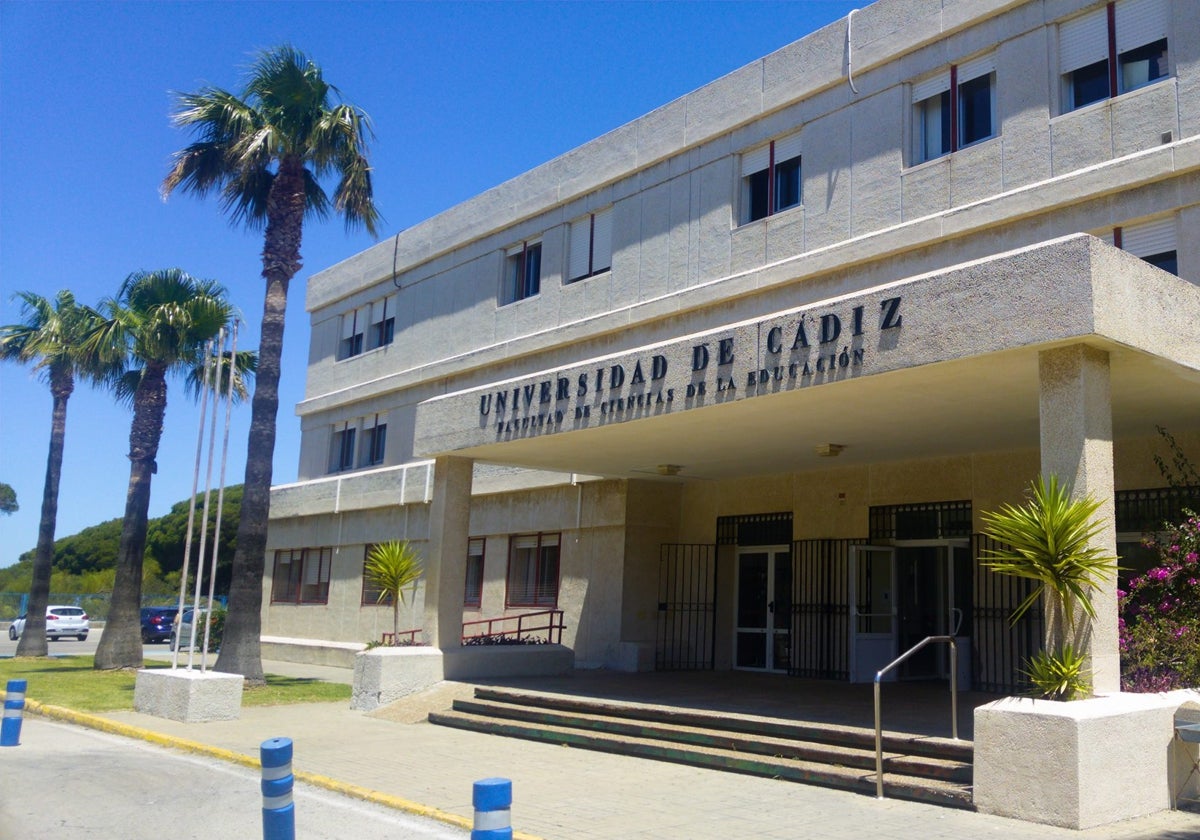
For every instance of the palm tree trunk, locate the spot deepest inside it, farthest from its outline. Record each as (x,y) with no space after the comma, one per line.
(33,638)
(241,645)
(121,644)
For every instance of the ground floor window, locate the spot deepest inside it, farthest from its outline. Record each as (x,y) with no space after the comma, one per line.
(371,592)
(473,590)
(301,576)
(533,571)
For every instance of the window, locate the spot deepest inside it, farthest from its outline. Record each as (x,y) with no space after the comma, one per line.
(473,590)
(370,592)
(352,334)
(1112,50)
(341,450)
(954,109)
(374,439)
(533,571)
(590,245)
(301,576)
(1154,242)
(771,178)
(522,271)
(383,322)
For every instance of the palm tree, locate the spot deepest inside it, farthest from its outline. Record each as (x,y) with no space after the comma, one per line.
(392,567)
(50,339)
(159,324)
(1049,540)
(265,153)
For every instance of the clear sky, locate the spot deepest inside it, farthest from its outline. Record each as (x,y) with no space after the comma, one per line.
(463,96)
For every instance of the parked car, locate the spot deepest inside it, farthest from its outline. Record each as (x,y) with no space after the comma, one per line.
(185,632)
(61,620)
(157,623)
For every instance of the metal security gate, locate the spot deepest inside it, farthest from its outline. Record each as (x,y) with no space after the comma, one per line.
(820,609)
(1001,647)
(687,606)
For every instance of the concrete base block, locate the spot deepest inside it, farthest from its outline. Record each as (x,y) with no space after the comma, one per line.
(1079,764)
(477,662)
(188,696)
(385,674)
(634,657)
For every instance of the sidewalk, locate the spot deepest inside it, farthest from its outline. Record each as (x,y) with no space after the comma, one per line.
(561,793)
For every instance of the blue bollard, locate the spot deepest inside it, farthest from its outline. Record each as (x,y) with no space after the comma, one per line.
(492,799)
(279,812)
(14,705)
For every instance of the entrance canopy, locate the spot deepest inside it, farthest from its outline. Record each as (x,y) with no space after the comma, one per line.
(934,365)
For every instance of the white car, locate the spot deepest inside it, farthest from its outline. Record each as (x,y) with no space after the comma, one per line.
(61,620)
(183,631)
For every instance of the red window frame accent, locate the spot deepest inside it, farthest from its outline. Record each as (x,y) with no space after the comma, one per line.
(536,600)
(293,590)
(474,599)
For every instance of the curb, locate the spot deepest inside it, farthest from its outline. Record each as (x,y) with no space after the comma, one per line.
(252,762)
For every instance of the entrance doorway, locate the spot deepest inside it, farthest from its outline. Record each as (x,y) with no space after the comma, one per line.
(934,582)
(763,623)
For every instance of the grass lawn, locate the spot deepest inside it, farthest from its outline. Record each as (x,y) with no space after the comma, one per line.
(70,681)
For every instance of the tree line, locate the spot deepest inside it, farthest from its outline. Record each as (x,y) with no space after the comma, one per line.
(264,152)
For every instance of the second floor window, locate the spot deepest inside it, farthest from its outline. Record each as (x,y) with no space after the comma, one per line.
(1117,48)
(353,324)
(341,450)
(533,571)
(383,322)
(954,109)
(590,246)
(771,178)
(522,272)
(1155,242)
(373,444)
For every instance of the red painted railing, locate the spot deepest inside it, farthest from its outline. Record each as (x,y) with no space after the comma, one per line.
(549,622)
(411,635)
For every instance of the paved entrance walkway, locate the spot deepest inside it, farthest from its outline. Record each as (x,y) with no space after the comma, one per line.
(561,793)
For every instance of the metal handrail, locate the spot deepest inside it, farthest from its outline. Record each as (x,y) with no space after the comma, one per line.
(553,626)
(878,713)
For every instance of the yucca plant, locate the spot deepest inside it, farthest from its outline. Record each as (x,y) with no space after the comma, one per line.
(1049,540)
(393,567)
(1059,676)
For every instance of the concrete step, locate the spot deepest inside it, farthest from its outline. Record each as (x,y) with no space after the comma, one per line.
(800,752)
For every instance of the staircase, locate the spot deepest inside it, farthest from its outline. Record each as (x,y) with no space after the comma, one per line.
(926,769)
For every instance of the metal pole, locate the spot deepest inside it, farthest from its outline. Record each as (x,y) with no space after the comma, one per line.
(211,362)
(212,575)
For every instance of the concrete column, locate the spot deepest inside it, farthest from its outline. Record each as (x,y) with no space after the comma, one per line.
(1076,446)
(445,567)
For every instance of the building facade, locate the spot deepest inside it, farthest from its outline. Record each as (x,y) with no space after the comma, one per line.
(731,385)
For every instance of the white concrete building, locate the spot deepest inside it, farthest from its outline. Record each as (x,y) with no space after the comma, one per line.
(731,385)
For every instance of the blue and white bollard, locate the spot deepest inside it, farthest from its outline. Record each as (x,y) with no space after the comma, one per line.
(14,705)
(492,799)
(279,812)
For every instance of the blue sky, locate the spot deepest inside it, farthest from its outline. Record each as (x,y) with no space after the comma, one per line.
(463,96)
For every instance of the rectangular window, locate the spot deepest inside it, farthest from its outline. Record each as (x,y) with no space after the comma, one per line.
(771,178)
(383,322)
(954,109)
(370,593)
(1155,242)
(374,440)
(351,344)
(533,571)
(473,590)
(1117,48)
(301,576)
(341,449)
(522,272)
(590,245)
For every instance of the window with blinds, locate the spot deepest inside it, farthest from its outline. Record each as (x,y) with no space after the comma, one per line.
(383,322)
(353,323)
(522,272)
(1156,242)
(771,178)
(301,576)
(1111,50)
(954,108)
(341,448)
(532,579)
(589,246)
(374,441)
(473,586)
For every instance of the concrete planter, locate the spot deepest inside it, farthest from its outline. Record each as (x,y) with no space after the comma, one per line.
(385,674)
(1079,764)
(188,696)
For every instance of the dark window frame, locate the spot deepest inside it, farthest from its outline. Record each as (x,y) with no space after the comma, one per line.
(767,189)
(1106,78)
(523,273)
(370,594)
(294,590)
(473,573)
(967,115)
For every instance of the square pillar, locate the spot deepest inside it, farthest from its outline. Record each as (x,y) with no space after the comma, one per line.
(445,567)
(1075,409)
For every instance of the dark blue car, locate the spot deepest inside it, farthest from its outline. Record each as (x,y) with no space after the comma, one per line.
(156,624)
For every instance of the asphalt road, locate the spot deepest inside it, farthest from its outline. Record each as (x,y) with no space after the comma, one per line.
(74,647)
(67,781)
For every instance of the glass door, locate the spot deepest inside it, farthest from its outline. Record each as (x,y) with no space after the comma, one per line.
(872,611)
(934,598)
(763,632)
